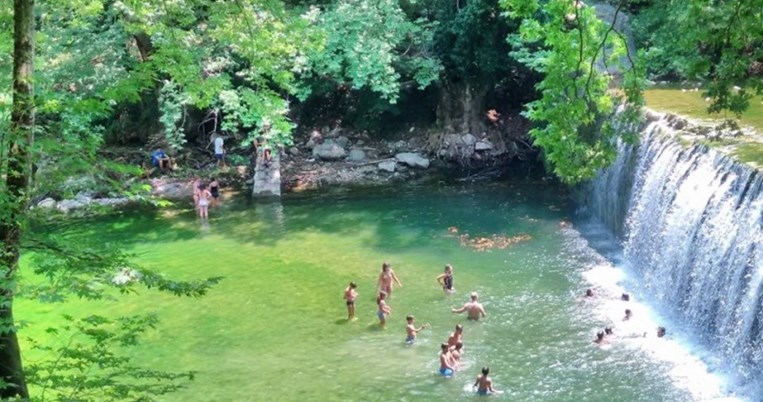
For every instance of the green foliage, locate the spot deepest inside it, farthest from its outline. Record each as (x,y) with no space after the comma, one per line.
(573,49)
(369,44)
(718,44)
(90,362)
(470,39)
(172,107)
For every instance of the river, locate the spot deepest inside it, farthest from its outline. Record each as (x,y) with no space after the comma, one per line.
(275,327)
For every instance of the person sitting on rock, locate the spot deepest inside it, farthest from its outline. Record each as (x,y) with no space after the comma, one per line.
(159,159)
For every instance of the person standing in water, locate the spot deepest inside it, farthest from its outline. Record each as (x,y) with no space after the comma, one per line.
(350,294)
(383,310)
(446,279)
(484,384)
(446,362)
(386,278)
(473,308)
(411,330)
(456,337)
(214,190)
(196,191)
(204,196)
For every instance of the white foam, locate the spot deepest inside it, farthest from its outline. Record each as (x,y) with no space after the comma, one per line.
(674,352)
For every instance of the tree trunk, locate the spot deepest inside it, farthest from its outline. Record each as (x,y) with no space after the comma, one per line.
(17,184)
(460,108)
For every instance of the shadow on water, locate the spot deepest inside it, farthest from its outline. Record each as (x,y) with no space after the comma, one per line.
(412,222)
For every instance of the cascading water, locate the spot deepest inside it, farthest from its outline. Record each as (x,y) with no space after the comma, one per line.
(691,223)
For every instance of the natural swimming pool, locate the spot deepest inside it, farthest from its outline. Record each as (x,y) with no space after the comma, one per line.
(275,328)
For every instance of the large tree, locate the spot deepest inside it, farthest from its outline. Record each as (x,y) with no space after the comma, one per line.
(16,176)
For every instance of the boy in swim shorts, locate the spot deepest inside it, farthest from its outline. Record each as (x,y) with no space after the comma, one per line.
(411,330)
(484,384)
(446,362)
(384,310)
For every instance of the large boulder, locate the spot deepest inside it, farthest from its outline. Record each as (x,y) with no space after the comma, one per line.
(413,160)
(468,139)
(47,203)
(342,141)
(387,166)
(69,205)
(356,155)
(483,145)
(329,151)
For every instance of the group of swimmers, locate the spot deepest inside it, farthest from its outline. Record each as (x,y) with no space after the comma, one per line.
(452,350)
(205,194)
(604,337)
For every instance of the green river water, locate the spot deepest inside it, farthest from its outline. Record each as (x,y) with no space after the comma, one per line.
(274,329)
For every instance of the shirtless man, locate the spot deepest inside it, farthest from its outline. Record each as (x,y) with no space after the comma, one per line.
(474,309)
(411,330)
(484,384)
(456,337)
(446,362)
(386,278)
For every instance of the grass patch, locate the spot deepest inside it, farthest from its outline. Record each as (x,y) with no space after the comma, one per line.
(751,153)
(692,104)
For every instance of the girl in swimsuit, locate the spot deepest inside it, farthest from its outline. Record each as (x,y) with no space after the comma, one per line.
(214,190)
(349,296)
(446,279)
(386,278)
(204,195)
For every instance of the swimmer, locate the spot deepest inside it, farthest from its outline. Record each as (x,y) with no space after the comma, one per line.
(386,278)
(384,310)
(589,293)
(446,361)
(411,330)
(456,337)
(457,351)
(608,332)
(446,279)
(628,314)
(350,294)
(484,384)
(625,297)
(661,332)
(474,309)
(600,339)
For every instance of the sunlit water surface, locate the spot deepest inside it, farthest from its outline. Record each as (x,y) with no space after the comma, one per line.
(275,328)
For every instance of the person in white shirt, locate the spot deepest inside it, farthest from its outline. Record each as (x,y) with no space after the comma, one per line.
(219,150)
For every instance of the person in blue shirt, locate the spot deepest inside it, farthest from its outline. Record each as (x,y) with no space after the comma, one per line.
(160,159)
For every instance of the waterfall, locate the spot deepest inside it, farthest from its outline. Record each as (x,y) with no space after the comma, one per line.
(691,224)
